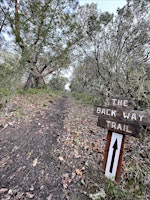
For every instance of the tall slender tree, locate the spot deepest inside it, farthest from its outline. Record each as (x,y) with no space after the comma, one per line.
(44,31)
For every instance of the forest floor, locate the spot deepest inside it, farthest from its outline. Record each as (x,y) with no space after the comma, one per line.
(52,149)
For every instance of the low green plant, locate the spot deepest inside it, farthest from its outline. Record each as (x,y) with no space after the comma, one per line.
(86,99)
(133,187)
(4,91)
(33,91)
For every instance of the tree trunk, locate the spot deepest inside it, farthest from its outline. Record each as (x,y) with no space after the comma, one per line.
(39,81)
(29,83)
(34,81)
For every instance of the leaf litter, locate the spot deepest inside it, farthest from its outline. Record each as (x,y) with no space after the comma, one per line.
(60,153)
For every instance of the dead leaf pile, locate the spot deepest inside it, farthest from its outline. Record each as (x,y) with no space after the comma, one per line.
(74,153)
(84,146)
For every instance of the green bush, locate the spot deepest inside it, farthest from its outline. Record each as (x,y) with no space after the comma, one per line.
(4,92)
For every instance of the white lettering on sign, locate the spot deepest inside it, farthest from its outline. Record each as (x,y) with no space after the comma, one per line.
(119,114)
(132,116)
(113,113)
(126,115)
(141,117)
(119,102)
(105,111)
(118,126)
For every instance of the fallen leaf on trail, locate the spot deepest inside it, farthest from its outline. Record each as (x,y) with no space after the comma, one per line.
(64,182)
(10,191)
(61,158)
(73,175)
(19,195)
(35,161)
(89,150)
(29,195)
(76,154)
(31,188)
(78,172)
(6,197)
(3,190)
(6,125)
(123,163)
(4,161)
(49,197)
(98,195)
(68,128)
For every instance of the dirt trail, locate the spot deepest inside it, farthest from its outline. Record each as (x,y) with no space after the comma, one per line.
(58,153)
(29,166)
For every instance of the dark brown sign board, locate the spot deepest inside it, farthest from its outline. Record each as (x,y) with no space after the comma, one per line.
(118,126)
(120,119)
(124,115)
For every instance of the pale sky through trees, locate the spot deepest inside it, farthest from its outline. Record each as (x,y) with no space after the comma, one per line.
(106,5)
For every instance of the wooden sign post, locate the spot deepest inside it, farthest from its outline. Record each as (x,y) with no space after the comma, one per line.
(120,119)
(113,155)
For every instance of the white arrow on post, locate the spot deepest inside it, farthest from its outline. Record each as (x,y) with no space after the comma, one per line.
(113,155)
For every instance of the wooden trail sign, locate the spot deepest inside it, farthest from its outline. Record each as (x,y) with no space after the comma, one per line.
(119,126)
(113,155)
(120,119)
(123,114)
